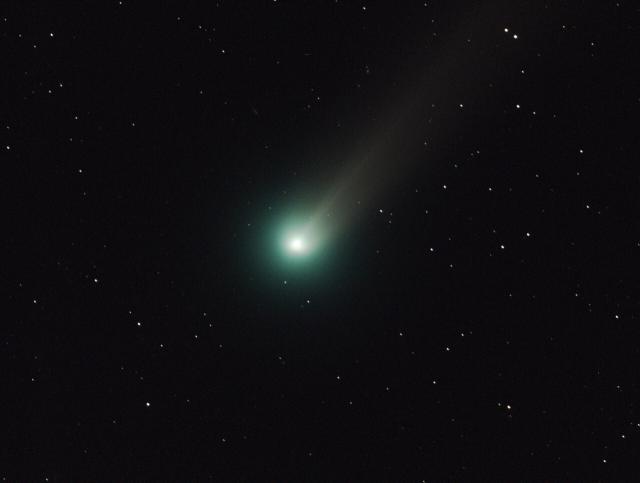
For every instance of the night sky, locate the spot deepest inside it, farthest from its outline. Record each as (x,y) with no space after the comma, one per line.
(470,314)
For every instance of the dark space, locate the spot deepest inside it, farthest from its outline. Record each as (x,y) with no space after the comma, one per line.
(475,318)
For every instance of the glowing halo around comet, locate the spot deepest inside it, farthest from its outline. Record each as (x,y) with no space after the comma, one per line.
(300,239)
(298,243)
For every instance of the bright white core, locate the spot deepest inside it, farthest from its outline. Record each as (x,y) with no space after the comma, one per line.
(297,245)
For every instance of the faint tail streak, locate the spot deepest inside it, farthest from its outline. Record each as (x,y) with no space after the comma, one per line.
(433,86)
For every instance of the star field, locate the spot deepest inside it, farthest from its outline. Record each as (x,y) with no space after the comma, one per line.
(320,241)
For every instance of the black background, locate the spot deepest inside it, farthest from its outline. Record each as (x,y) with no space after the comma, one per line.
(148,148)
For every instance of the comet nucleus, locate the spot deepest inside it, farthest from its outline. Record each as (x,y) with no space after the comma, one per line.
(297,245)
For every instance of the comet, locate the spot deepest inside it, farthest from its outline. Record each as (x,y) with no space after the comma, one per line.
(424,105)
